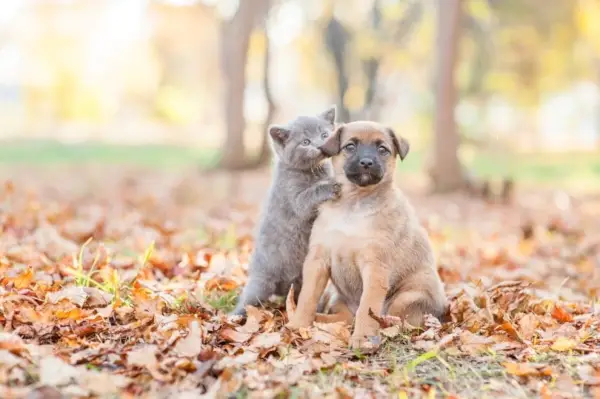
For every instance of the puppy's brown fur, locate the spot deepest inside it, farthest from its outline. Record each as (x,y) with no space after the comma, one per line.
(369,242)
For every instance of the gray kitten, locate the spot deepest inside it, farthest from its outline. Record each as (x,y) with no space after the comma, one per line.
(302,180)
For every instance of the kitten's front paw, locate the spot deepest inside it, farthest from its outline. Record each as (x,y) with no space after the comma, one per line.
(333,189)
(336,190)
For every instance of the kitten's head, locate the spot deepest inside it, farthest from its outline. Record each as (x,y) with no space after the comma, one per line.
(297,143)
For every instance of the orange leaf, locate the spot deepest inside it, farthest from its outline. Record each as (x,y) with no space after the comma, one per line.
(526,369)
(561,315)
(73,313)
(24,279)
(221,284)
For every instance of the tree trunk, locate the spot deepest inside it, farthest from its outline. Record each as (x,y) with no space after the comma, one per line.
(265,152)
(336,40)
(235,40)
(447,168)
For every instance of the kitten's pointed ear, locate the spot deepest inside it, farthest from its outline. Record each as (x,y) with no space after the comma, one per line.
(329,114)
(333,144)
(279,134)
(400,145)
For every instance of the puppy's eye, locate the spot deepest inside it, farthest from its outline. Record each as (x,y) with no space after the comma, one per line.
(325,135)
(306,142)
(382,150)
(350,147)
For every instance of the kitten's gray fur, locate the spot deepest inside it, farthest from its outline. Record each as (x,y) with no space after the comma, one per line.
(302,180)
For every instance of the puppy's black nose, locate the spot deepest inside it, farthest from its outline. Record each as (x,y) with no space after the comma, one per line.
(366,163)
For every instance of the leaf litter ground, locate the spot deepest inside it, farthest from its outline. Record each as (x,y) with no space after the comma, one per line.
(116,283)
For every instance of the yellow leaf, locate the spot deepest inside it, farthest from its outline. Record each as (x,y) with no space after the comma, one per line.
(563,344)
(526,247)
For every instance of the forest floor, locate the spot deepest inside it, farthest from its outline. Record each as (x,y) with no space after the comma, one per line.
(115,281)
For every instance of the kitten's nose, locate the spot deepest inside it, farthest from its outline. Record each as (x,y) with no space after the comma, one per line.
(366,163)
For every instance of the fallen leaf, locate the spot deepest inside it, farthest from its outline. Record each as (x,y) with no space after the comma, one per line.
(254,317)
(191,345)
(266,340)
(391,332)
(55,372)
(561,315)
(231,335)
(527,369)
(221,284)
(24,279)
(290,304)
(76,295)
(563,344)
(143,356)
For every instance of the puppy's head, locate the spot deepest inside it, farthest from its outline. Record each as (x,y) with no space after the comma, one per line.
(365,152)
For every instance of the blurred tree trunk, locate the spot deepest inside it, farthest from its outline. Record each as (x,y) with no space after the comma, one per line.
(336,40)
(447,170)
(265,152)
(235,40)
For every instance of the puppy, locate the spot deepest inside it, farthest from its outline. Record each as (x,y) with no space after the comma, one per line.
(369,242)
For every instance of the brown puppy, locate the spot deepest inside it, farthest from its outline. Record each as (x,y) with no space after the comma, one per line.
(369,242)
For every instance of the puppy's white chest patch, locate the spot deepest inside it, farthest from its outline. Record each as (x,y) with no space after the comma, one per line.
(336,225)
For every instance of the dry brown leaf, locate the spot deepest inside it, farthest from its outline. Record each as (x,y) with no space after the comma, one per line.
(290,304)
(55,372)
(73,294)
(191,345)
(143,356)
(221,284)
(527,369)
(231,335)
(254,317)
(527,325)
(266,340)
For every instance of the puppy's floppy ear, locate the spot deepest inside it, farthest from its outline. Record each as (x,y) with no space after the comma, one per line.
(279,134)
(332,146)
(329,114)
(400,144)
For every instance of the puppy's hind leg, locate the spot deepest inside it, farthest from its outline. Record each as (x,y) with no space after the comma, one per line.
(258,289)
(332,309)
(339,312)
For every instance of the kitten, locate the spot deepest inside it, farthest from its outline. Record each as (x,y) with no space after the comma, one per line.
(302,180)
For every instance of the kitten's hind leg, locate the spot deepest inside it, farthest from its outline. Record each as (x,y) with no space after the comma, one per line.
(258,289)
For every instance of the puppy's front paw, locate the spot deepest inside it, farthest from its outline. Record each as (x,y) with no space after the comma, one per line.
(365,343)
(297,322)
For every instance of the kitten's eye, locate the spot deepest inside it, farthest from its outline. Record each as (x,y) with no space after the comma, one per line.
(306,142)
(382,150)
(325,135)
(350,147)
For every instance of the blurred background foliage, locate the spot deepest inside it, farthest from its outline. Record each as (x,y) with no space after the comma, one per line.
(191,74)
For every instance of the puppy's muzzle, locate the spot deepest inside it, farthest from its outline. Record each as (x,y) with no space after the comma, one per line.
(364,172)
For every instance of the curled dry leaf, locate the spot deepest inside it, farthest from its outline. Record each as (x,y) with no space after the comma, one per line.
(221,284)
(290,304)
(254,317)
